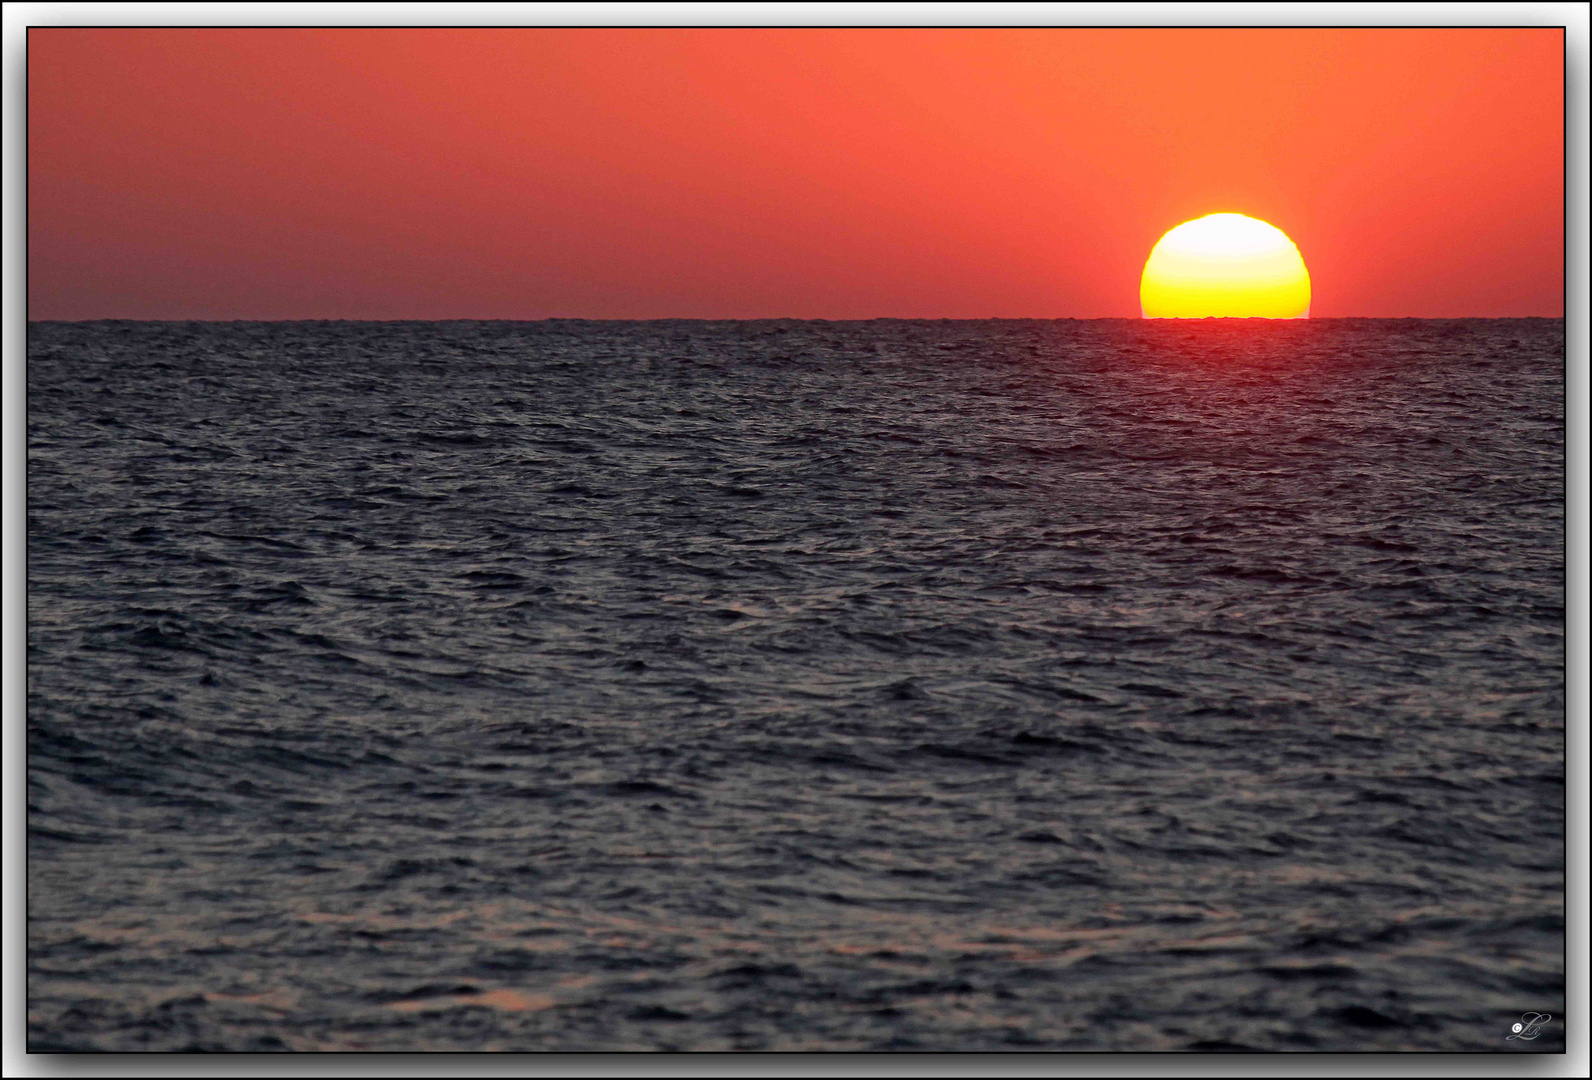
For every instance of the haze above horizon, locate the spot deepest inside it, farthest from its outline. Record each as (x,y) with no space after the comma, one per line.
(275,174)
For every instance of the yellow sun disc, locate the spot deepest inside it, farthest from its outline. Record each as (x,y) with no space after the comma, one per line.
(1225,266)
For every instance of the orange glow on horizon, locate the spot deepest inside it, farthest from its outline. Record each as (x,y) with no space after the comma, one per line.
(759,173)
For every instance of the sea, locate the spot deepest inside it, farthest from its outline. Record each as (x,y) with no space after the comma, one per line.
(953,686)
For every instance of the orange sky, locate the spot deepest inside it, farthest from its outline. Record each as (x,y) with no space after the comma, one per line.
(388,174)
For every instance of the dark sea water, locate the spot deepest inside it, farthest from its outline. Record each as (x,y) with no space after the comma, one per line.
(1105,685)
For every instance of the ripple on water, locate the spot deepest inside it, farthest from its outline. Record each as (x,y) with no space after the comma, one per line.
(1103,685)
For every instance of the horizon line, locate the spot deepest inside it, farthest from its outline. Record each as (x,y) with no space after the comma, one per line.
(800,318)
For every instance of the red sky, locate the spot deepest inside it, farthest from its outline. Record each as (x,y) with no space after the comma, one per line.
(522,174)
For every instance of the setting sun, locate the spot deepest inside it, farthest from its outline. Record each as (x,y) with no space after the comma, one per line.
(516,507)
(1225,266)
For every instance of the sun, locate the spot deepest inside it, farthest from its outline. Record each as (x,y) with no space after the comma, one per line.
(1225,266)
